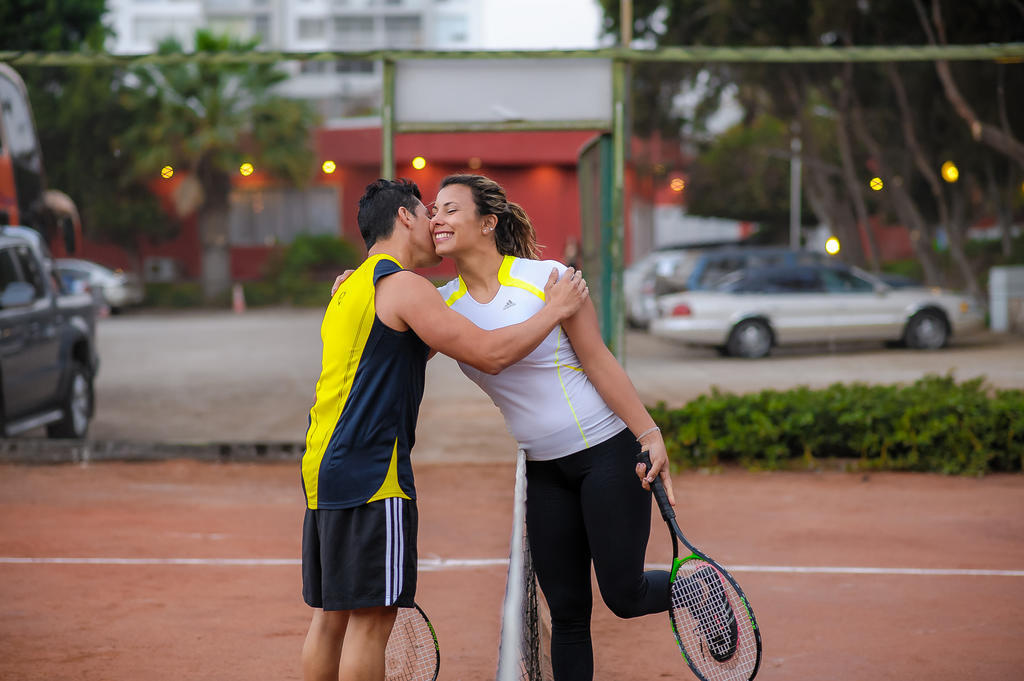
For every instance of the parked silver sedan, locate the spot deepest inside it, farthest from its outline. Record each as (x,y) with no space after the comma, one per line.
(753,310)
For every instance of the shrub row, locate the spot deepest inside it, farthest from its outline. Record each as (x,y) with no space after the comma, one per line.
(932,425)
(300,274)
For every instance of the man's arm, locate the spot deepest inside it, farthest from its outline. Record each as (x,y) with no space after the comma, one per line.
(405,299)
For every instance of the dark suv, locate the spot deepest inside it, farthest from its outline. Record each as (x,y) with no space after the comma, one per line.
(48,354)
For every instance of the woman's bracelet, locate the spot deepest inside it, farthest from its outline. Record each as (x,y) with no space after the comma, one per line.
(647,432)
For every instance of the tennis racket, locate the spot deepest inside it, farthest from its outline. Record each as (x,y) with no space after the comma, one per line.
(711,618)
(412,653)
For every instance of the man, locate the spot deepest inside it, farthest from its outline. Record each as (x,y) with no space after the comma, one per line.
(359,534)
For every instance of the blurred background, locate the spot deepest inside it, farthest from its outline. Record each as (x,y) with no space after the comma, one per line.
(763,203)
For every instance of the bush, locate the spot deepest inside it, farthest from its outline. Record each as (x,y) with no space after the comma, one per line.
(177,294)
(932,425)
(302,273)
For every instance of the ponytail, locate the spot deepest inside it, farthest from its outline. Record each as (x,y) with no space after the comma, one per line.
(514,234)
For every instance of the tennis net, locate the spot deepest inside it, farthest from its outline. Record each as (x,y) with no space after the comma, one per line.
(525,647)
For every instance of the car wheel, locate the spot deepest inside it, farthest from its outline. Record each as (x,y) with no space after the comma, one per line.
(926,331)
(77,406)
(750,338)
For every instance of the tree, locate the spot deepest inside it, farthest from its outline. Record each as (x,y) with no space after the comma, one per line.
(79,126)
(736,177)
(207,119)
(50,26)
(881,118)
(78,114)
(1001,137)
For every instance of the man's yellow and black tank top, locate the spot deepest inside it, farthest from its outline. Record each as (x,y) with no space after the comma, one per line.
(363,424)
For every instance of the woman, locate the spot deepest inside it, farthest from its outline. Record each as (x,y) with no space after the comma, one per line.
(574,411)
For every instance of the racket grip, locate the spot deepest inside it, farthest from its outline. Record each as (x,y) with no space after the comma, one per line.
(667,512)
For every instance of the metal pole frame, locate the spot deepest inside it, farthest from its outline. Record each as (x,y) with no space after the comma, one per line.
(613,322)
(387,121)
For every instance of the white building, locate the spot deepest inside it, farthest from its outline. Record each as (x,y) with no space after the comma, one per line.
(337,88)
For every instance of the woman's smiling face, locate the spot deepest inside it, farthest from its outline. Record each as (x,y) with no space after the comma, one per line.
(454,222)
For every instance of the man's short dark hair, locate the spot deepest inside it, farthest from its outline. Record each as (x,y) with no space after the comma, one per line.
(378,207)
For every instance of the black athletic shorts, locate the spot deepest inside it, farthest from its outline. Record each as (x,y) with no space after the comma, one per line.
(360,557)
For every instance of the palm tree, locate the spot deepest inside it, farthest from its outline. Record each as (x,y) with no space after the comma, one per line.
(207,119)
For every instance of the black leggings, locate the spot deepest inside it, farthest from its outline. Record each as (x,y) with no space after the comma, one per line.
(582,507)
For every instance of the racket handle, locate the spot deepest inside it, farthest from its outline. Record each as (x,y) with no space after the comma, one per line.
(667,512)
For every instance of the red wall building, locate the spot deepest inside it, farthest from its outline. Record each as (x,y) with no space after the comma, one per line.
(537,169)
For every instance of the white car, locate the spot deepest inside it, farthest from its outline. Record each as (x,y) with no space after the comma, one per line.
(640,280)
(115,288)
(755,309)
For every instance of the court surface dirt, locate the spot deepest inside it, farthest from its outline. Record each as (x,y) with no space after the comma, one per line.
(235,612)
(181,570)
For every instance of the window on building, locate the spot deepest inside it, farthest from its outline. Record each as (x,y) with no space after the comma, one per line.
(353,24)
(403,31)
(354,31)
(234,26)
(261,28)
(353,66)
(152,30)
(452,29)
(310,29)
(313,67)
(276,216)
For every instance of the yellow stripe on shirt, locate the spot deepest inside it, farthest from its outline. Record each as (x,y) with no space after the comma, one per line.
(505,278)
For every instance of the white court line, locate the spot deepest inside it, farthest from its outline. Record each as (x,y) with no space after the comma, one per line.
(826,570)
(434,564)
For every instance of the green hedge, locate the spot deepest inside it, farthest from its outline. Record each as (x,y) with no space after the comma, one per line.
(932,425)
(173,294)
(302,273)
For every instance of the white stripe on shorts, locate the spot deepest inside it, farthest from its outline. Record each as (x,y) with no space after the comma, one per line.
(394,558)
(400,558)
(387,553)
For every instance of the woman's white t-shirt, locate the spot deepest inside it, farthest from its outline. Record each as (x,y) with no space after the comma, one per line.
(550,406)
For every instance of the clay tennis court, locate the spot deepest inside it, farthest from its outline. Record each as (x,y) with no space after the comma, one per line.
(93,585)
(189,570)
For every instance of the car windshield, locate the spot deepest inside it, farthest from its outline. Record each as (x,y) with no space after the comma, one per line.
(773,280)
(842,281)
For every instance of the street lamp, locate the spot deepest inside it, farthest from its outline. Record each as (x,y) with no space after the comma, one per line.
(795,169)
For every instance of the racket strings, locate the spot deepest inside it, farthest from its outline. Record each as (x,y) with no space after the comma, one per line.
(712,623)
(411,653)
